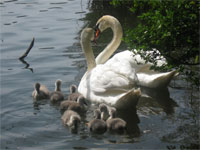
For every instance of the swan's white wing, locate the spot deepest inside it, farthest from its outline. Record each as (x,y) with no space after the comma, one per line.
(146,77)
(156,80)
(106,83)
(122,64)
(129,61)
(103,79)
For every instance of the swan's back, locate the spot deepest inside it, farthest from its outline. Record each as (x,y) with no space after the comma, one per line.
(128,62)
(122,63)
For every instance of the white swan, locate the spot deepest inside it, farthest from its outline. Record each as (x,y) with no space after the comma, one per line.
(104,83)
(146,77)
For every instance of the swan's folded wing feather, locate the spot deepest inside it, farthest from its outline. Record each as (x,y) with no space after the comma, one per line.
(104,79)
(121,64)
(156,80)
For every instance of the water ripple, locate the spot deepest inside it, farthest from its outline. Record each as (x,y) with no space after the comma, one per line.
(21,16)
(9,1)
(55,8)
(58,3)
(47,48)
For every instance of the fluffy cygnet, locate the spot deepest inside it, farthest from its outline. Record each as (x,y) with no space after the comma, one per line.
(75,106)
(40,92)
(115,125)
(97,125)
(73,96)
(104,111)
(71,119)
(57,95)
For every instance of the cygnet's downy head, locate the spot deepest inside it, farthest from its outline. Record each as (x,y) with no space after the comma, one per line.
(81,100)
(112,112)
(104,111)
(87,34)
(58,85)
(37,87)
(103,108)
(73,88)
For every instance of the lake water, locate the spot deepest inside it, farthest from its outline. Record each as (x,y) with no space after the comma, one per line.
(167,120)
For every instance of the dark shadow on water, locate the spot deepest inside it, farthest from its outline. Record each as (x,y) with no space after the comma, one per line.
(132,120)
(157,98)
(80,148)
(151,98)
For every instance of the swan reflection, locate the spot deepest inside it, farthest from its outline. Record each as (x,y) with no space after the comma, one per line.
(156,98)
(151,100)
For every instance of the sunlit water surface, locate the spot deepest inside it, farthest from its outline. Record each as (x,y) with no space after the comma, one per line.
(165,119)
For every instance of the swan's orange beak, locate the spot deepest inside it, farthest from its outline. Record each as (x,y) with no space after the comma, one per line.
(97,33)
(96,36)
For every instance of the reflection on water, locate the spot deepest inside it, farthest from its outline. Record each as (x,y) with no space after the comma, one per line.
(132,121)
(164,119)
(27,65)
(159,98)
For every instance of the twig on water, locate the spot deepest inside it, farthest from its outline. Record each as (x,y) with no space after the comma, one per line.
(27,65)
(28,50)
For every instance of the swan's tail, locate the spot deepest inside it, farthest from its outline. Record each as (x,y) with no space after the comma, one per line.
(157,80)
(165,80)
(129,100)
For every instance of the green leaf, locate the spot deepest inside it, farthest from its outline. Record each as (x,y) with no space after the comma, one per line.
(196,59)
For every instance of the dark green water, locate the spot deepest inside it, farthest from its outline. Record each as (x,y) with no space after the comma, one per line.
(168,119)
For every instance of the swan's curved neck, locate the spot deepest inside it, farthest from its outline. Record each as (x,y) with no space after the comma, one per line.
(87,48)
(113,45)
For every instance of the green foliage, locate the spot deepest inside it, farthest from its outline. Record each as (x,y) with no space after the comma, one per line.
(171,26)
